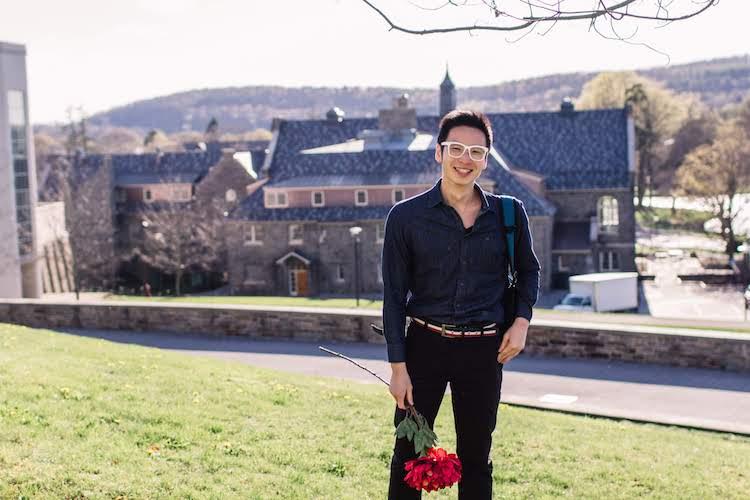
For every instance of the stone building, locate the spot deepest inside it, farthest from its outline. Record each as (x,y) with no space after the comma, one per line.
(572,169)
(108,196)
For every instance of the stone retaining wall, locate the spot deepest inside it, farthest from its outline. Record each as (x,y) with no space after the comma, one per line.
(729,351)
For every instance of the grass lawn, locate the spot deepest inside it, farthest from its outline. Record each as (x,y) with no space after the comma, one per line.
(664,218)
(87,418)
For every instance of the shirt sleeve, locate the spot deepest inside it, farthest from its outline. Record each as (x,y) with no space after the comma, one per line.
(396,272)
(527,266)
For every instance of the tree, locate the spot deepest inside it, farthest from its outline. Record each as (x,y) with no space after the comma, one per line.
(155,141)
(519,15)
(77,139)
(657,112)
(117,140)
(696,131)
(89,218)
(176,238)
(717,172)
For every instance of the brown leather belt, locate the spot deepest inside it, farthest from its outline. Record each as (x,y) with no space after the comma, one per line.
(456,331)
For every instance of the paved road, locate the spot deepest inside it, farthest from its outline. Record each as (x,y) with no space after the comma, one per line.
(700,398)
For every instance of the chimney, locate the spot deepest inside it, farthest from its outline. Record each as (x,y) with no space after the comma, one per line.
(567,108)
(399,117)
(335,115)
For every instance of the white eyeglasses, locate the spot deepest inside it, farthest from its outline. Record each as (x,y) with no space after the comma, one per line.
(457,150)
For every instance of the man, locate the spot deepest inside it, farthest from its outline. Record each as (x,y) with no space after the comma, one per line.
(445,266)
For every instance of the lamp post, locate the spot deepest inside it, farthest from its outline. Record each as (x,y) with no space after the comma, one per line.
(355,231)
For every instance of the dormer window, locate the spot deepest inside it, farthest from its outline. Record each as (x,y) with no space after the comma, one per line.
(276,199)
(360,197)
(398,195)
(318,199)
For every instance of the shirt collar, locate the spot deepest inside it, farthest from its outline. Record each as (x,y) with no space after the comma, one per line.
(435,197)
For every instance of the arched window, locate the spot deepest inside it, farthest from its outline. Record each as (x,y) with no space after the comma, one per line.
(608,214)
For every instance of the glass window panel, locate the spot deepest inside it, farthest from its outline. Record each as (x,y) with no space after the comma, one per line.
(22,182)
(16,108)
(21,166)
(18,141)
(22,197)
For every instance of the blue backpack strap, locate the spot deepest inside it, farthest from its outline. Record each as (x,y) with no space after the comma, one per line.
(508,211)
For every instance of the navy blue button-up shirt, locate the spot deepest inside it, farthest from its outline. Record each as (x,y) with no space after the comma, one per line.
(434,268)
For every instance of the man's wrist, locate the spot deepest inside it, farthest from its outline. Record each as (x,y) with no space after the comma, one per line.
(521,321)
(398,368)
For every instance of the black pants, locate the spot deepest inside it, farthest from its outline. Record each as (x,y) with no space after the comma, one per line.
(470,366)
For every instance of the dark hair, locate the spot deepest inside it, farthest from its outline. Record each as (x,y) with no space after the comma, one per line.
(468,118)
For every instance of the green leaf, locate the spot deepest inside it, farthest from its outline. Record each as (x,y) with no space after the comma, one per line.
(402,427)
(411,429)
(419,447)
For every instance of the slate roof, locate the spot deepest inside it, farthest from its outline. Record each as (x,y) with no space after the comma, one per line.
(576,150)
(150,168)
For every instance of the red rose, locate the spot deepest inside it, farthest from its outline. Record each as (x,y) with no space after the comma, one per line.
(435,471)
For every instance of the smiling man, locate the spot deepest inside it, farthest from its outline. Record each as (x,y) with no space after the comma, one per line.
(445,267)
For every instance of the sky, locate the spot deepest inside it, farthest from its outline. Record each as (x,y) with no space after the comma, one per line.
(98,54)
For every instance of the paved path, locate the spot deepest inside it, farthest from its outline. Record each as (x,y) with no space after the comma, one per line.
(690,397)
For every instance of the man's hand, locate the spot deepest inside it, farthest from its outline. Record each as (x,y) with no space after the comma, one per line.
(513,342)
(401,388)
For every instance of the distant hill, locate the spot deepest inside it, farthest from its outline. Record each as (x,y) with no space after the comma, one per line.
(718,82)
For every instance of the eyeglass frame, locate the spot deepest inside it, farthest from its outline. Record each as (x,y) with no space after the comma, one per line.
(465,149)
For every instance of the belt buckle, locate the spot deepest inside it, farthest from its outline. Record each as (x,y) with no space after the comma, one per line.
(442,330)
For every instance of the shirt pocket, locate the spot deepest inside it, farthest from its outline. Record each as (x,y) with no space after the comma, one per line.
(433,248)
(488,253)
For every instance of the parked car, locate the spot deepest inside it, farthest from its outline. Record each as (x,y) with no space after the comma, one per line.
(573,302)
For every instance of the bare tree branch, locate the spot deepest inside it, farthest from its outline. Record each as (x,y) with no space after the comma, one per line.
(543,12)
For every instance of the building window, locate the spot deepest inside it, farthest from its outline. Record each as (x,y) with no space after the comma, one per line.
(340,273)
(608,215)
(562,265)
(295,234)
(276,199)
(19,154)
(360,197)
(318,200)
(253,235)
(230,196)
(380,232)
(181,193)
(147,196)
(609,261)
(398,195)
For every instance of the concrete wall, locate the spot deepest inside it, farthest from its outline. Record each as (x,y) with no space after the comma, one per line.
(727,351)
(54,247)
(20,275)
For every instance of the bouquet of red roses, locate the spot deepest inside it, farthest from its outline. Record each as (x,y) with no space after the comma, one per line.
(434,468)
